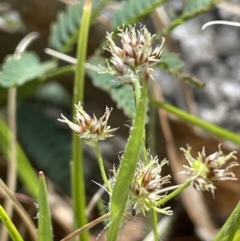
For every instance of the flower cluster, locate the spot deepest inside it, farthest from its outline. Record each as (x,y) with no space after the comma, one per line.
(146,188)
(204,170)
(90,128)
(136,57)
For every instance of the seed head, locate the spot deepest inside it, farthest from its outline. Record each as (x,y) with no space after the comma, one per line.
(136,56)
(205,171)
(90,128)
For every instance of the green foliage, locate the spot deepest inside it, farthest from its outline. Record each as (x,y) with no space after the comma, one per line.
(64,31)
(50,145)
(214,129)
(44,215)
(122,94)
(231,228)
(171,60)
(25,171)
(172,64)
(127,167)
(190,6)
(133,10)
(9,225)
(191,10)
(18,70)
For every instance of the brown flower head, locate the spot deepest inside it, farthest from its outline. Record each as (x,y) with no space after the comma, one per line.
(205,171)
(136,57)
(90,128)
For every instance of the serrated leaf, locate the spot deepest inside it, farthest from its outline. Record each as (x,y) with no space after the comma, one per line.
(64,32)
(171,60)
(190,5)
(122,94)
(133,10)
(18,70)
(191,12)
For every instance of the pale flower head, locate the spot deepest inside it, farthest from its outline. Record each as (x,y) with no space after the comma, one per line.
(90,128)
(136,56)
(146,188)
(204,170)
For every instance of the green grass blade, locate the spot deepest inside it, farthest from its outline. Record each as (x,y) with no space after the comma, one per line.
(44,219)
(9,225)
(127,168)
(214,129)
(231,229)
(25,171)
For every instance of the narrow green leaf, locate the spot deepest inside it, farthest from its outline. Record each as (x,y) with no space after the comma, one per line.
(25,171)
(9,225)
(231,229)
(18,70)
(214,129)
(44,215)
(127,168)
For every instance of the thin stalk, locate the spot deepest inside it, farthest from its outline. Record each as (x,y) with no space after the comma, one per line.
(174,193)
(155,224)
(137,94)
(78,187)
(214,129)
(86,227)
(20,210)
(60,72)
(9,225)
(101,166)
(12,165)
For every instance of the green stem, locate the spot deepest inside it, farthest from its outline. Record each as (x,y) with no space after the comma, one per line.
(101,166)
(60,72)
(214,129)
(174,193)
(155,224)
(9,225)
(78,187)
(137,91)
